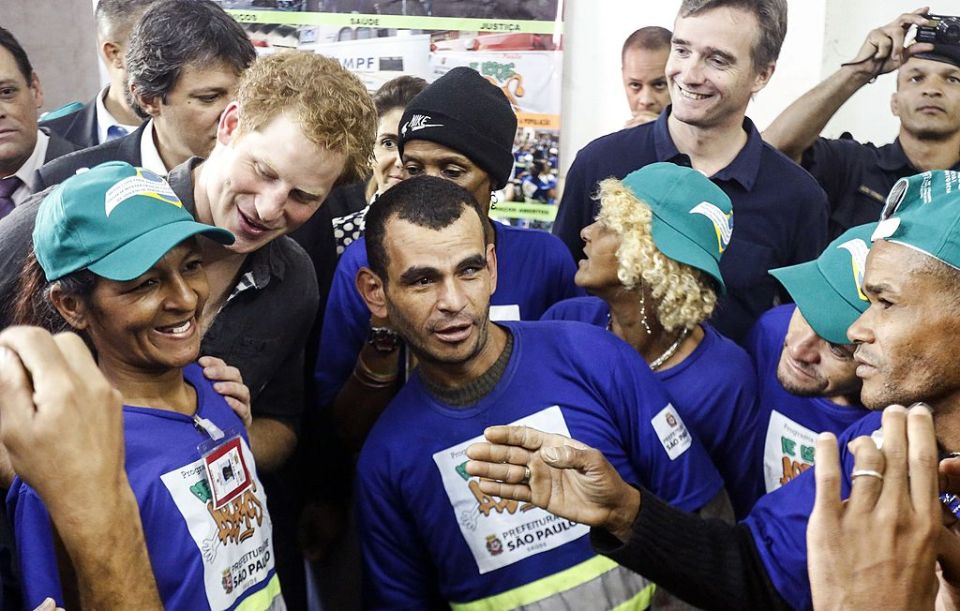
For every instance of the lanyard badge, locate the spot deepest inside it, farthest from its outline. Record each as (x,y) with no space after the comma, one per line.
(224,463)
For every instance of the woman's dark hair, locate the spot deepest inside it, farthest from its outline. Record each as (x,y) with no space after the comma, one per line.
(32,305)
(397,93)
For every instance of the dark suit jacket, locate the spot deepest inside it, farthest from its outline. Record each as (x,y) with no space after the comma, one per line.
(126,149)
(79,127)
(57,147)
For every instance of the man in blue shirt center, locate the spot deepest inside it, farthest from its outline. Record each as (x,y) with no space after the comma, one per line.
(428,534)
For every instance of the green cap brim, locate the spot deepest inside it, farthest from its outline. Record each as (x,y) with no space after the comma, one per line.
(682,249)
(139,255)
(827,312)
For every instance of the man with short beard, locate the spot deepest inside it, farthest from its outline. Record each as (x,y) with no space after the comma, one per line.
(429,536)
(857,176)
(804,362)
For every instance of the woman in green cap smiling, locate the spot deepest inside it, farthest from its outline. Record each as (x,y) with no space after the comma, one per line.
(652,266)
(117,259)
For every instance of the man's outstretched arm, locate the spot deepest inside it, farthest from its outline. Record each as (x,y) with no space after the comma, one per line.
(797,127)
(62,425)
(708,563)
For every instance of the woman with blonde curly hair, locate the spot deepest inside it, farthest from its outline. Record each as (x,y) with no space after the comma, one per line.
(652,267)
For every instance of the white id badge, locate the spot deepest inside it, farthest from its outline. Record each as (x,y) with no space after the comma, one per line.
(226,469)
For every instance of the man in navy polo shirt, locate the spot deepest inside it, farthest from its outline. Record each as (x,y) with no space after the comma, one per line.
(713,70)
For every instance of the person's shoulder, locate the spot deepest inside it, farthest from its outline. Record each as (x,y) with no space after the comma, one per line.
(580,343)
(869,425)
(296,261)
(60,120)
(58,170)
(726,356)
(619,141)
(774,322)
(586,309)
(783,172)
(542,243)
(354,255)
(388,443)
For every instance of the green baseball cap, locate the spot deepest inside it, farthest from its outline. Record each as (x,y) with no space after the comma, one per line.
(692,217)
(829,289)
(115,220)
(923,213)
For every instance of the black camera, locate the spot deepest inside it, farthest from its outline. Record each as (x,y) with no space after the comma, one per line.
(946,30)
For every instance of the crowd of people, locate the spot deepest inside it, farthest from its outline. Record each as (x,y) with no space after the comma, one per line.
(251,314)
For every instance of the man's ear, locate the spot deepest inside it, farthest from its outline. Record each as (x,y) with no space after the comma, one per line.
(895,104)
(229,121)
(37,90)
(71,307)
(372,290)
(762,77)
(150,105)
(492,266)
(112,54)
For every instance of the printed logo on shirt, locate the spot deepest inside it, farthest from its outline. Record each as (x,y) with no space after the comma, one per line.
(234,541)
(858,250)
(788,450)
(722,223)
(497,531)
(494,545)
(672,432)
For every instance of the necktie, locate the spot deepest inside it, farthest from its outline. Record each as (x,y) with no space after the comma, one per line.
(7,186)
(115,131)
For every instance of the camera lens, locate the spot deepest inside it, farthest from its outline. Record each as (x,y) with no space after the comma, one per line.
(951,34)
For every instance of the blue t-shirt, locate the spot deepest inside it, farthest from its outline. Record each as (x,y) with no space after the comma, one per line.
(202,557)
(778,522)
(789,424)
(715,389)
(534,271)
(430,535)
(780,212)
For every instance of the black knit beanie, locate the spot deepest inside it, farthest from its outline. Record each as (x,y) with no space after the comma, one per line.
(467,113)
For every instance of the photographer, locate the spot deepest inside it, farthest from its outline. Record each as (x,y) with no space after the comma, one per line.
(857,176)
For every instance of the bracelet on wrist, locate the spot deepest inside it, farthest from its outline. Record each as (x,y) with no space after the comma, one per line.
(370,378)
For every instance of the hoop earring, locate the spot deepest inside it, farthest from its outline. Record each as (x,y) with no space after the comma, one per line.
(493,200)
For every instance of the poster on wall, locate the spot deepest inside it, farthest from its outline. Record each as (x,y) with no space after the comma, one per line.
(515,44)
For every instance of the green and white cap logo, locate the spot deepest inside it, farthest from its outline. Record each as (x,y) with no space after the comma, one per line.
(115,220)
(692,217)
(923,213)
(829,289)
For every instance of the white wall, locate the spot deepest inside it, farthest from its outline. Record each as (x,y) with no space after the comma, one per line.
(60,39)
(821,34)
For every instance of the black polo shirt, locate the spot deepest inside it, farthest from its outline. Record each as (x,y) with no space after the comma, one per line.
(779,211)
(261,329)
(856,177)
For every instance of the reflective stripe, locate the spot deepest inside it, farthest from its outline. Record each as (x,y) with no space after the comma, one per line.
(597,583)
(266,599)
